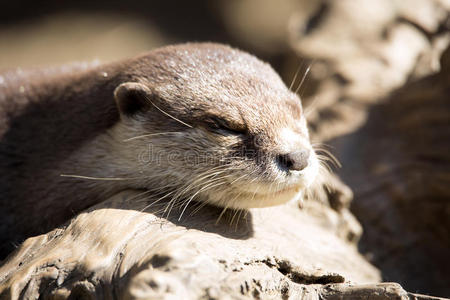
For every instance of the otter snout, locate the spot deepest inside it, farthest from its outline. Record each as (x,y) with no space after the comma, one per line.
(294,161)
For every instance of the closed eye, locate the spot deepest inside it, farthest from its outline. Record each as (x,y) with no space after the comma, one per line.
(221,126)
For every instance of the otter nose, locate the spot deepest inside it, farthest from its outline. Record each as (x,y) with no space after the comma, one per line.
(294,161)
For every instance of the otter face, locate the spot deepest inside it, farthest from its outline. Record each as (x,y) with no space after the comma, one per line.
(215,124)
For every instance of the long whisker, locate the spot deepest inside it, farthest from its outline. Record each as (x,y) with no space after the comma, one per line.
(200,206)
(139,195)
(240,177)
(237,196)
(164,188)
(167,114)
(295,76)
(238,218)
(150,134)
(234,216)
(324,158)
(303,78)
(99,178)
(156,201)
(221,214)
(329,156)
(197,181)
(207,183)
(208,173)
(202,189)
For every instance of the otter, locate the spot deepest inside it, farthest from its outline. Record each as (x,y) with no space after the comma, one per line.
(191,122)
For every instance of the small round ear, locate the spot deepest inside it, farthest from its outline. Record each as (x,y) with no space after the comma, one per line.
(132,98)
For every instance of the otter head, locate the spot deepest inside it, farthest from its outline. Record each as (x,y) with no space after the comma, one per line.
(210,123)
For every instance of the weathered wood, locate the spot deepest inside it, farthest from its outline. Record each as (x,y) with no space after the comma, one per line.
(116,251)
(402,182)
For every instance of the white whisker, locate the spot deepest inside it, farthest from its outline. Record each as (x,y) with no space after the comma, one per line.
(150,134)
(295,76)
(303,78)
(99,178)
(167,114)
(202,189)
(221,214)
(156,201)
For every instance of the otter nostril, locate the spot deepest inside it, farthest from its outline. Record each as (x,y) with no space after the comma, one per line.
(284,162)
(294,161)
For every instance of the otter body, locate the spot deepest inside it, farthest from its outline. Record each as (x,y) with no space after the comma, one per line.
(45,117)
(200,122)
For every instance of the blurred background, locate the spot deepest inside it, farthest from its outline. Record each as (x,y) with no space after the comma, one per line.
(377,93)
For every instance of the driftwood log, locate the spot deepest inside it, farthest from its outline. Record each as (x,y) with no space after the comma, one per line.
(380,93)
(122,249)
(402,182)
(117,251)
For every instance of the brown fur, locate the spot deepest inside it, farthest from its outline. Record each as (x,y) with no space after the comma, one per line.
(66,121)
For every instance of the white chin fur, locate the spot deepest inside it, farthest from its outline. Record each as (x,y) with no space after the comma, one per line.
(251,198)
(272,200)
(244,200)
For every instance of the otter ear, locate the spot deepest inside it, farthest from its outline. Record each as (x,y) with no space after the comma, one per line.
(132,98)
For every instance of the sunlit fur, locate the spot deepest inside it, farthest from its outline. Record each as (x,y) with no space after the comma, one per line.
(223,179)
(73,136)
(170,157)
